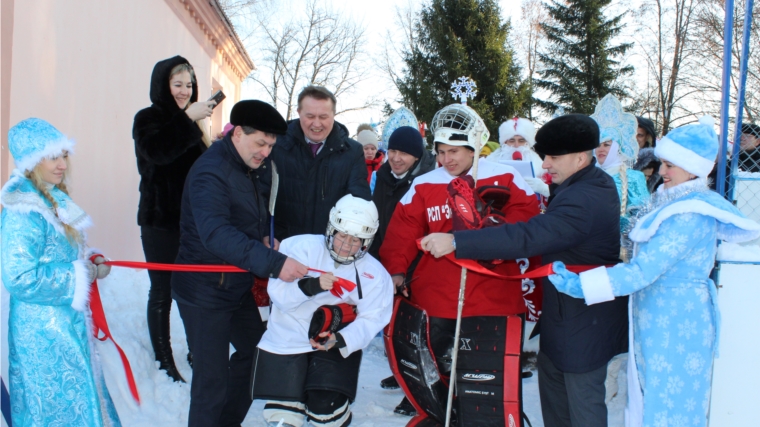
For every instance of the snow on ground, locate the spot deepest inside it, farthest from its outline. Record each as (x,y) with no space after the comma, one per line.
(165,403)
(736,252)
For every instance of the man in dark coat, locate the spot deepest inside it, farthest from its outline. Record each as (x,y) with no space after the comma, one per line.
(318,164)
(407,159)
(581,227)
(225,221)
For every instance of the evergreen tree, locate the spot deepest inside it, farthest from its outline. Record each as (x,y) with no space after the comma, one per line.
(580,66)
(462,38)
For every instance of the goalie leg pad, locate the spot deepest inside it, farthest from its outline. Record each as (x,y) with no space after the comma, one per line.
(412,361)
(279,376)
(489,380)
(328,370)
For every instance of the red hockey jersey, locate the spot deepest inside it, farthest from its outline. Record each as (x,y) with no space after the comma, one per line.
(424,210)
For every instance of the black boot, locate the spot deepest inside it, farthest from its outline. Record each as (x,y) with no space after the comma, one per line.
(389,383)
(405,408)
(158,327)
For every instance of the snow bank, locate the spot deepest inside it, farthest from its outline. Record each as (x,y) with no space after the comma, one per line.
(736,252)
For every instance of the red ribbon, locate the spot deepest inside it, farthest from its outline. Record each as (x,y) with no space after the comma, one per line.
(338,286)
(342,283)
(538,273)
(99,316)
(100,324)
(178,267)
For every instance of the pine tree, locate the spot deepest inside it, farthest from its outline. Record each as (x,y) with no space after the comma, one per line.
(580,66)
(462,38)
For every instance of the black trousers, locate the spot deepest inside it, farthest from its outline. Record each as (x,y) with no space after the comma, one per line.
(571,400)
(220,389)
(160,246)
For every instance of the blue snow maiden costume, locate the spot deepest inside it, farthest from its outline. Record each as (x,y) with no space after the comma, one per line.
(673,304)
(620,127)
(54,380)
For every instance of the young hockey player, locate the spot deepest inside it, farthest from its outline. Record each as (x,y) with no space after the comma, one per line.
(307,363)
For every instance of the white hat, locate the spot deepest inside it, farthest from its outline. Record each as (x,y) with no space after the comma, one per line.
(693,148)
(517,126)
(366,137)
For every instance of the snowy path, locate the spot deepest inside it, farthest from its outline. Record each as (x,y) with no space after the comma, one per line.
(165,403)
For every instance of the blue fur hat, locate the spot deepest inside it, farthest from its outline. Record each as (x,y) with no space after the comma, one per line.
(33,139)
(693,148)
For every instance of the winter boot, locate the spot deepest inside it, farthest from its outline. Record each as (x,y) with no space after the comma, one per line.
(389,383)
(405,408)
(158,327)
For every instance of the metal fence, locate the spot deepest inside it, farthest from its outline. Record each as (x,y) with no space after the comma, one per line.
(738,177)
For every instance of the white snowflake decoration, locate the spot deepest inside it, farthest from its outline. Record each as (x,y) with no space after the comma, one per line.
(464,88)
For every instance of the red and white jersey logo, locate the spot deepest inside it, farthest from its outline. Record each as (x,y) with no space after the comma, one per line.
(367,275)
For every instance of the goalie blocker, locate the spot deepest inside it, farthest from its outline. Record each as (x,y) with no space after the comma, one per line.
(489,385)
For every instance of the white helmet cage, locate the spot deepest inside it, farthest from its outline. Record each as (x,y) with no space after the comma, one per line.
(459,125)
(356,217)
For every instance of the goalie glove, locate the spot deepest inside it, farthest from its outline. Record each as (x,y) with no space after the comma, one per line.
(472,208)
(330,318)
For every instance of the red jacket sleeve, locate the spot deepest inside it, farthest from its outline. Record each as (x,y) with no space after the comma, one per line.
(407,224)
(521,207)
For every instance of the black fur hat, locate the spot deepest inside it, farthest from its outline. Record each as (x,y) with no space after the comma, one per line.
(258,115)
(571,133)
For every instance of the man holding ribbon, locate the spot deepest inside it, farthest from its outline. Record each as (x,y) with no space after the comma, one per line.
(581,227)
(225,221)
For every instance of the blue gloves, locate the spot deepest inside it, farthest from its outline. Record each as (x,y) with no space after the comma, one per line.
(566,281)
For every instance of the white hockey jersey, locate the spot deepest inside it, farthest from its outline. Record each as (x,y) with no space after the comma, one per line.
(288,325)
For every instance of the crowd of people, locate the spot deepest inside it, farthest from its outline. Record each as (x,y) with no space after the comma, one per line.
(347,237)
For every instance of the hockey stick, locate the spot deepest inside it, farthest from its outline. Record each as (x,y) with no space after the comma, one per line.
(480,128)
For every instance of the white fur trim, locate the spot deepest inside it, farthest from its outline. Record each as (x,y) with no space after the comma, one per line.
(596,286)
(24,202)
(51,149)
(93,251)
(750,230)
(675,153)
(634,410)
(82,286)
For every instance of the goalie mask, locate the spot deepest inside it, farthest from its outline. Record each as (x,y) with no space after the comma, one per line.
(459,125)
(355,217)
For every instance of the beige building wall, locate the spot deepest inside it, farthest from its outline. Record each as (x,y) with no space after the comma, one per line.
(85,66)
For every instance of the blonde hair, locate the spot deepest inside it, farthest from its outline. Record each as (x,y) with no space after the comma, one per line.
(35,176)
(189,68)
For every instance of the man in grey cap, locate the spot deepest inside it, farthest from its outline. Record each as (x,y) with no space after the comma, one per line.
(581,227)
(225,221)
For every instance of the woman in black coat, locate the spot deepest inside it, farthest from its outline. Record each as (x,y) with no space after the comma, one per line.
(168,140)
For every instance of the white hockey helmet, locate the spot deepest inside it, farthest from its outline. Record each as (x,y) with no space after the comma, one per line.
(356,217)
(459,125)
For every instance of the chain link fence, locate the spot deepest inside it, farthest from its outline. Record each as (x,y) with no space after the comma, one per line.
(744,182)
